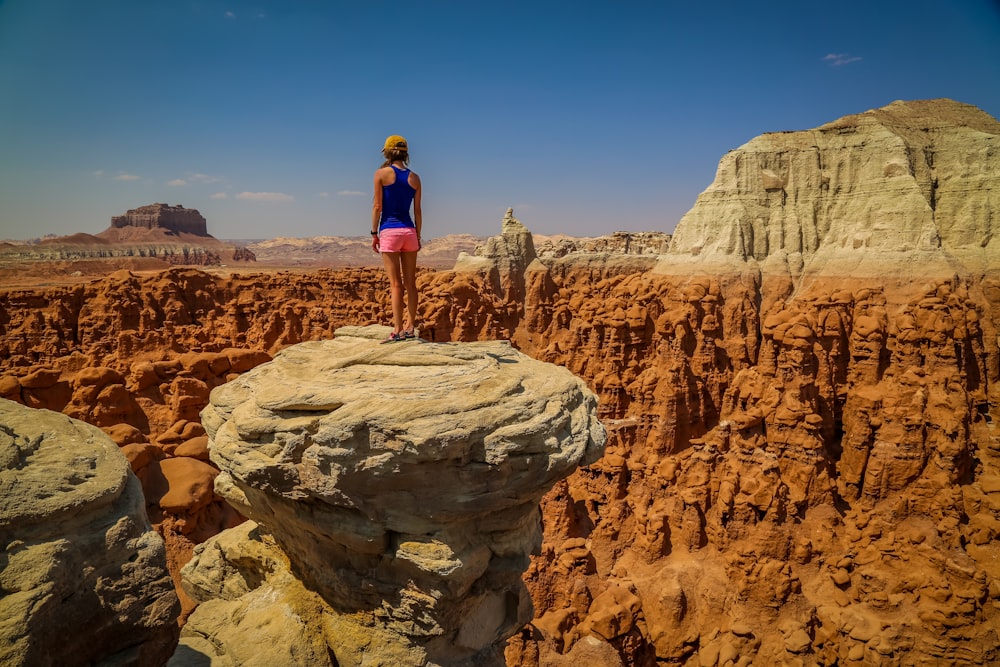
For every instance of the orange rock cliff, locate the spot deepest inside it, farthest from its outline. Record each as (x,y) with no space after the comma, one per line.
(800,396)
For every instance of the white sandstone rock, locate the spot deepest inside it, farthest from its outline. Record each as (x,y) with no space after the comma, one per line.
(402,482)
(878,193)
(83,578)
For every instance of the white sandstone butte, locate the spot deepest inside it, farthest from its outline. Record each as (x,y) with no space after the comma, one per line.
(901,190)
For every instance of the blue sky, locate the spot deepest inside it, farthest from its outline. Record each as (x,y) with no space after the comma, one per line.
(586,117)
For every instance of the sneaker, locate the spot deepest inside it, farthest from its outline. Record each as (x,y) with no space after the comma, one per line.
(409,334)
(393,337)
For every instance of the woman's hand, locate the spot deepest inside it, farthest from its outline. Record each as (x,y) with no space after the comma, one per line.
(374,243)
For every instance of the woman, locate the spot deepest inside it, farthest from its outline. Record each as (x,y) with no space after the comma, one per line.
(397,235)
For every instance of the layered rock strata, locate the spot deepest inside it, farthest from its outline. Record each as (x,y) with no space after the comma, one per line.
(83,577)
(620,243)
(355,251)
(394,490)
(163,216)
(168,251)
(912,184)
(171,234)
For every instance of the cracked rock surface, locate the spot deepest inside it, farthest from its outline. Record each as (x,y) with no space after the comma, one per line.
(395,487)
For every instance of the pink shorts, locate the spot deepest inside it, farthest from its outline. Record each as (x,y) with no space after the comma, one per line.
(398,239)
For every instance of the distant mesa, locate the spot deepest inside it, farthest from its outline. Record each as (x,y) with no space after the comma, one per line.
(158,222)
(163,216)
(155,236)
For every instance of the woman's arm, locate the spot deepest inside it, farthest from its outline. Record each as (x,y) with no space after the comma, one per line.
(377,200)
(376,208)
(418,216)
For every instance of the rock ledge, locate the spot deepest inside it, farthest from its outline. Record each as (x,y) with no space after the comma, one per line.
(401,482)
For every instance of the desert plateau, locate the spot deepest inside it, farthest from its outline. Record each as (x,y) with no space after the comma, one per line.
(768,438)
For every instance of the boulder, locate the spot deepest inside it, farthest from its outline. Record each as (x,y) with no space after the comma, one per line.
(401,482)
(83,576)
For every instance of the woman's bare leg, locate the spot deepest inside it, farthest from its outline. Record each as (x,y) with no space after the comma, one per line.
(392,267)
(408,262)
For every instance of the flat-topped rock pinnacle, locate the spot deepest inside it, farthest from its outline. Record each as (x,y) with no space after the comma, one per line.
(163,216)
(402,483)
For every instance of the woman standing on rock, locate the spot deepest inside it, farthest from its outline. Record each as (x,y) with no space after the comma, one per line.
(397,235)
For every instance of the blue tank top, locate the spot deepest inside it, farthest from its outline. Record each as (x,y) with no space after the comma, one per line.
(396,201)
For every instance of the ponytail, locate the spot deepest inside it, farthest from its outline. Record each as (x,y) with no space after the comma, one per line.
(394,154)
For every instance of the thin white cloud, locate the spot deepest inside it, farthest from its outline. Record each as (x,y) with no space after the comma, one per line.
(98,173)
(323,194)
(194,178)
(220,195)
(837,59)
(230,15)
(177,182)
(266,196)
(126,177)
(351,193)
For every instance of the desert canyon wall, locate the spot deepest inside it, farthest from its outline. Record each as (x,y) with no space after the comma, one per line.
(800,398)
(808,443)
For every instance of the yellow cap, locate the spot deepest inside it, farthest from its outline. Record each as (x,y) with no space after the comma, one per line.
(394,141)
